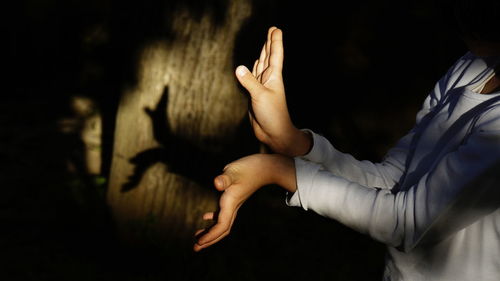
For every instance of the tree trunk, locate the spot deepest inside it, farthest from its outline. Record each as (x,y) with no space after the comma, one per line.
(175,129)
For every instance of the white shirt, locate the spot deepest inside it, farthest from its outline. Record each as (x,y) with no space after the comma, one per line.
(435,198)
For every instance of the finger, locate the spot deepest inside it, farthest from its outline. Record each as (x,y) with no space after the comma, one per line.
(222,182)
(254,69)
(276,51)
(249,81)
(262,58)
(268,46)
(221,228)
(208,216)
(264,77)
(199,231)
(199,246)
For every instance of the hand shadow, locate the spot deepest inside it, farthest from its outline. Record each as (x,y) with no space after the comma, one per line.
(182,156)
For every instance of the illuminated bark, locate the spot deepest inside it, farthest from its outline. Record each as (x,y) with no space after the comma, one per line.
(184,108)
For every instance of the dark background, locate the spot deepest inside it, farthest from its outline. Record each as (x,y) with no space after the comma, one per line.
(356,72)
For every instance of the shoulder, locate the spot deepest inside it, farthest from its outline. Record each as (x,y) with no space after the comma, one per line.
(467,70)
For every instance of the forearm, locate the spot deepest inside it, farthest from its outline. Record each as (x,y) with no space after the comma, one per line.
(382,175)
(457,191)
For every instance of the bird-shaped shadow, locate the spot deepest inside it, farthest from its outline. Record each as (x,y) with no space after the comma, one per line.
(182,156)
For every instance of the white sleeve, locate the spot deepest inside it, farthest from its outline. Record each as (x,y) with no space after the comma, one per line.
(383,175)
(388,172)
(467,177)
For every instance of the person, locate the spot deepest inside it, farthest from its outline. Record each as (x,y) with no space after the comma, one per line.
(434,199)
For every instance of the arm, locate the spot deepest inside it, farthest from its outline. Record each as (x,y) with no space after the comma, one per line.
(272,125)
(388,172)
(444,201)
(383,175)
(460,189)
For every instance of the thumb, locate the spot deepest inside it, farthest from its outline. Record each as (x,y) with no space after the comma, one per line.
(249,81)
(222,182)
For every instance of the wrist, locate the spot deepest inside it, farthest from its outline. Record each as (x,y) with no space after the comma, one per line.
(281,170)
(299,143)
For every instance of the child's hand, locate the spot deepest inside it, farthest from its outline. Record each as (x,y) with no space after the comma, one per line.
(238,182)
(269,113)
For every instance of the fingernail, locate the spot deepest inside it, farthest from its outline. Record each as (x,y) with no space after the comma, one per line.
(241,70)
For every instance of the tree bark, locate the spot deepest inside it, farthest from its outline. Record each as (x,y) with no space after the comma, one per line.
(173,129)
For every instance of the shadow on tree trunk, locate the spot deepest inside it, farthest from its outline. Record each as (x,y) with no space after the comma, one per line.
(183,157)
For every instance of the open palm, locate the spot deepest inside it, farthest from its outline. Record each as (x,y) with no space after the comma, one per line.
(268,109)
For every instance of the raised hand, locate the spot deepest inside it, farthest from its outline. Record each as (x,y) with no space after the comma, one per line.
(268,112)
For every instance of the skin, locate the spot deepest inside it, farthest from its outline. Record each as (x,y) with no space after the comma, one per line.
(272,125)
(493,84)
(269,112)
(238,182)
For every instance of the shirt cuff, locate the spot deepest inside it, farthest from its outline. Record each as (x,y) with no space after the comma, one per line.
(305,172)
(317,152)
